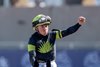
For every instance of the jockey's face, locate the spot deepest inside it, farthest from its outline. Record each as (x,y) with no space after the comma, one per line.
(43,29)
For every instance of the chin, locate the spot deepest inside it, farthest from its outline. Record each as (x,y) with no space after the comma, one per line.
(45,34)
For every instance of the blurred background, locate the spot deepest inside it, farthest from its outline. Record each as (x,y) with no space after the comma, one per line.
(80,49)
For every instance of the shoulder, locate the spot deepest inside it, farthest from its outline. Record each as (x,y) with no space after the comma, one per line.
(33,38)
(34,35)
(55,31)
(52,33)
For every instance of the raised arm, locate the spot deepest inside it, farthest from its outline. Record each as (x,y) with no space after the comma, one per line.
(70,30)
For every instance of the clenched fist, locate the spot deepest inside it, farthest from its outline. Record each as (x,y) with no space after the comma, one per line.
(81,20)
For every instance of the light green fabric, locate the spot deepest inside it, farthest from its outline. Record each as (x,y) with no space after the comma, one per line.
(37,17)
(58,35)
(31,47)
(45,47)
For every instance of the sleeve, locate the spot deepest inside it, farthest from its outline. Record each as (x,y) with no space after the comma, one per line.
(31,50)
(60,34)
(57,33)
